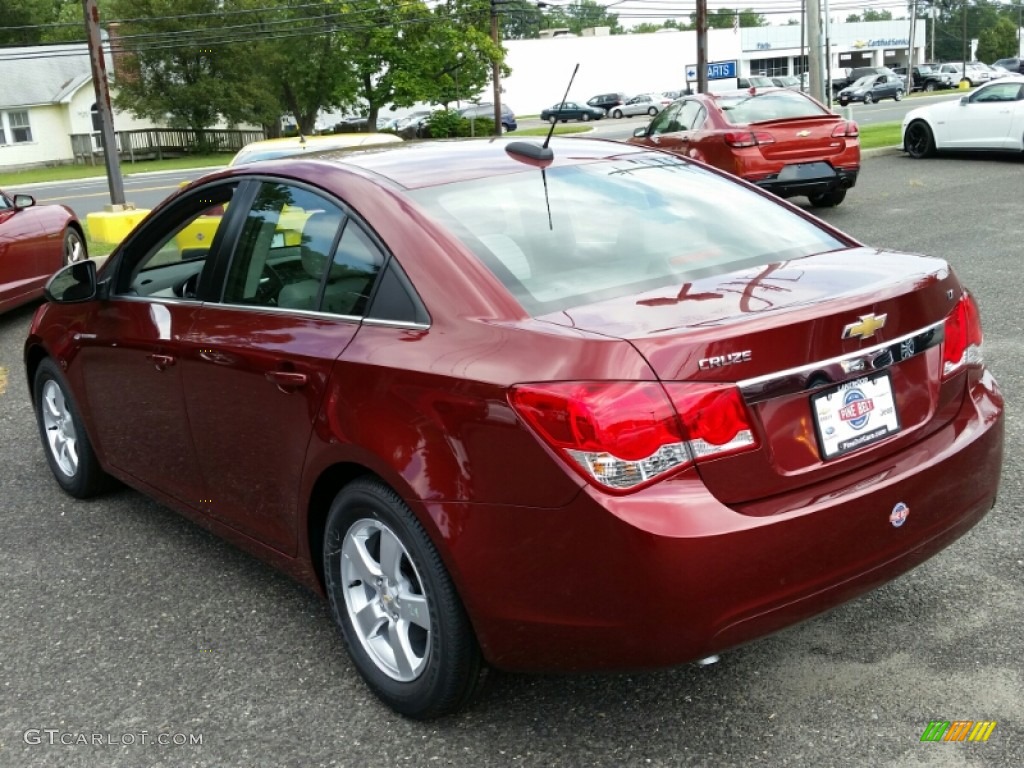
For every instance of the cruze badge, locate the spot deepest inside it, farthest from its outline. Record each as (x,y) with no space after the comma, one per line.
(803,134)
(864,328)
(720,361)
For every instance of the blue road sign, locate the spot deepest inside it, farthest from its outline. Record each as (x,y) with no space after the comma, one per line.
(717,70)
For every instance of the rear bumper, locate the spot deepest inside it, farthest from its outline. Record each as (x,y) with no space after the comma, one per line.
(841,178)
(669,574)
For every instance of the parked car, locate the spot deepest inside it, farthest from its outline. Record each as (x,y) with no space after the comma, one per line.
(975,75)
(1013,64)
(486,109)
(606,101)
(781,140)
(602,408)
(844,79)
(787,81)
(270,149)
(35,241)
(673,95)
(927,78)
(754,81)
(570,110)
(872,88)
(991,118)
(642,104)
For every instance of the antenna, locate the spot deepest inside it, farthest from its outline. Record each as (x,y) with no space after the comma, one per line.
(566,96)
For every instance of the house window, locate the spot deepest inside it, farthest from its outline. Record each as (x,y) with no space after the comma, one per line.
(21,131)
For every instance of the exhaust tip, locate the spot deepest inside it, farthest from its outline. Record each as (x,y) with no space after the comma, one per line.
(707,661)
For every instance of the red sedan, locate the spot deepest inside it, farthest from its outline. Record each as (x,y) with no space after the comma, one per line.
(781,140)
(578,407)
(35,241)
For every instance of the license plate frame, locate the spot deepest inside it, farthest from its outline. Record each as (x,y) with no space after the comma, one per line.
(854,415)
(814,171)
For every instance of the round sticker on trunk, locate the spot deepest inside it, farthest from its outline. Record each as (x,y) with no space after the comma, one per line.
(899,515)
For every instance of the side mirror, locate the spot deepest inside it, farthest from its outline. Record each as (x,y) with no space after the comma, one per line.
(640,132)
(23,201)
(965,100)
(73,284)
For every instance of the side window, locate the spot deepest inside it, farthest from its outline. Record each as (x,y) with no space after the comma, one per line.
(284,249)
(667,120)
(688,115)
(355,265)
(171,266)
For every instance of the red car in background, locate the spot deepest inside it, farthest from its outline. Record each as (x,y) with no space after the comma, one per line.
(35,241)
(779,139)
(570,407)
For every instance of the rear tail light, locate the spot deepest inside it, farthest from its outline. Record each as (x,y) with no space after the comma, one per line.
(748,138)
(963,338)
(624,435)
(846,129)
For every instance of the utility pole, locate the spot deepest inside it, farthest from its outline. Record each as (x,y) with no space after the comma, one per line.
(496,65)
(702,46)
(803,46)
(814,68)
(828,55)
(106,115)
(910,47)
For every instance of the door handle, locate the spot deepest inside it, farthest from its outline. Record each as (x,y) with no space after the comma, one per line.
(161,361)
(287,381)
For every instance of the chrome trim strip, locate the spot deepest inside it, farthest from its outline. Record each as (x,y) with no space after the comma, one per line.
(834,370)
(413,326)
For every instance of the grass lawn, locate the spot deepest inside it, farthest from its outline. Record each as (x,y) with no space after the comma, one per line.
(543,130)
(68,172)
(881,135)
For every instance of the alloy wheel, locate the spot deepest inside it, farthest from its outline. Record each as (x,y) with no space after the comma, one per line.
(59,425)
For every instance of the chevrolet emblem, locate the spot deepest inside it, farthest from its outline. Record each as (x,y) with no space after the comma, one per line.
(865,327)
(803,134)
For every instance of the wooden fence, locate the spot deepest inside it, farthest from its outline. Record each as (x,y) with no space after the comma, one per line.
(159,143)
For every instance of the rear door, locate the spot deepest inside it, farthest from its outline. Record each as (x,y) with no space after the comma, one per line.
(261,355)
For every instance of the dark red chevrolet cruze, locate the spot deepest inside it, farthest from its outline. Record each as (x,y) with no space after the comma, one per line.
(601,409)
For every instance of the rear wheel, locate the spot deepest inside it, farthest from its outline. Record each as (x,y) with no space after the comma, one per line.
(68,450)
(652,111)
(828,199)
(929,86)
(399,613)
(899,95)
(869,99)
(919,141)
(585,117)
(552,119)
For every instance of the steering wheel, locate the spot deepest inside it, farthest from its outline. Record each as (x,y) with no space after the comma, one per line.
(270,286)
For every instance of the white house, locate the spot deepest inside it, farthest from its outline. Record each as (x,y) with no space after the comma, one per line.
(47,95)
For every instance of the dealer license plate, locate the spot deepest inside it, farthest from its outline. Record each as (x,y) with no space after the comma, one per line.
(855,414)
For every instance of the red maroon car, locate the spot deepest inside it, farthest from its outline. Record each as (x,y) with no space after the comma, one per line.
(35,241)
(778,139)
(576,408)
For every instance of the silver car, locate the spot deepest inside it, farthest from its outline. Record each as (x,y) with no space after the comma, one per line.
(643,104)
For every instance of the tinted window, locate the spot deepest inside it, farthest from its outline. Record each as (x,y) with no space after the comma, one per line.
(741,109)
(355,265)
(579,234)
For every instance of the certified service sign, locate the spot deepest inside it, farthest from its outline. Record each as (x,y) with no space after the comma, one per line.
(899,515)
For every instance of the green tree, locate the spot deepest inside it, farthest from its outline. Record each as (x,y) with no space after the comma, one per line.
(998,41)
(579,15)
(725,18)
(20,21)
(750,18)
(520,20)
(872,15)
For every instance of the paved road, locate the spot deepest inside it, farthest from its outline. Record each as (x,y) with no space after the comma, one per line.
(118,617)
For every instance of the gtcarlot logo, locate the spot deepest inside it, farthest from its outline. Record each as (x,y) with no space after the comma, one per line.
(55,737)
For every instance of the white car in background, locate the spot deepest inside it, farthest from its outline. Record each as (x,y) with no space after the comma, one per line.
(642,104)
(991,118)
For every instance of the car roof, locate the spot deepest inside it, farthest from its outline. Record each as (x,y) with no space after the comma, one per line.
(298,144)
(415,165)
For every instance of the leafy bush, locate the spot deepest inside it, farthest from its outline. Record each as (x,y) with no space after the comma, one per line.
(448,123)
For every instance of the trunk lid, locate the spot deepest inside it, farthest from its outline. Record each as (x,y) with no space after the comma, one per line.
(788,332)
(800,139)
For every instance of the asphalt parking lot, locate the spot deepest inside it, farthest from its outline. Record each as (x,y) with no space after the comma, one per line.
(131,637)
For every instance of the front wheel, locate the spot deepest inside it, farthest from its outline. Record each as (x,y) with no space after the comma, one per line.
(74,247)
(899,95)
(843,103)
(617,114)
(919,141)
(398,611)
(869,99)
(65,443)
(828,199)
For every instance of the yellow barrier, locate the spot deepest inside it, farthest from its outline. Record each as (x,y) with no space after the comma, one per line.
(112,227)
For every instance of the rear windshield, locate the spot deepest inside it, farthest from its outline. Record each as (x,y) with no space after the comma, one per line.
(575,235)
(742,108)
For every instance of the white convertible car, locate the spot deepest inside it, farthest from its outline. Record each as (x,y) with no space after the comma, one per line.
(990,118)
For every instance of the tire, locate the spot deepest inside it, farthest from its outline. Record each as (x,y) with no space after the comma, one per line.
(828,199)
(898,95)
(371,536)
(585,117)
(869,99)
(930,86)
(74,247)
(843,103)
(552,119)
(652,111)
(919,141)
(617,114)
(65,442)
